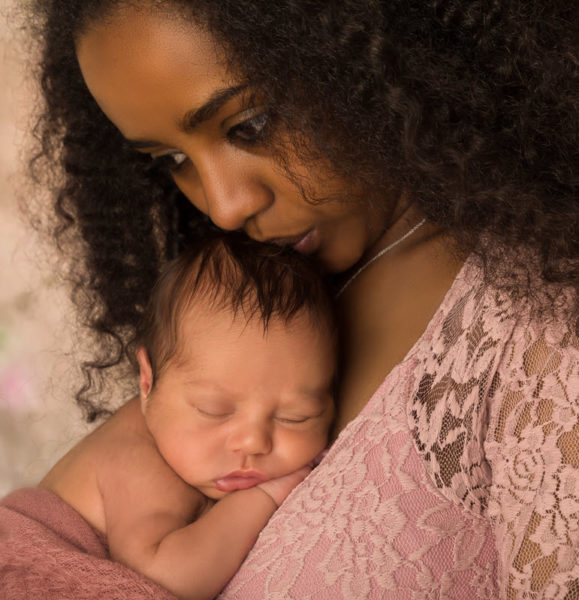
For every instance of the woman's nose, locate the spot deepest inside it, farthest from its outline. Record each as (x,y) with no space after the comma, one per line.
(251,439)
(228,193)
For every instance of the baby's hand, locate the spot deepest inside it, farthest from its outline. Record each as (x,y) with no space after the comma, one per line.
(279,488)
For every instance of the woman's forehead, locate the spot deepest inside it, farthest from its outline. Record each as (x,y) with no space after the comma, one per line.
(162,37)
(145,64)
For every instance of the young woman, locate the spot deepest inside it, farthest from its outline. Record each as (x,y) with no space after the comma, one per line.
(423,154)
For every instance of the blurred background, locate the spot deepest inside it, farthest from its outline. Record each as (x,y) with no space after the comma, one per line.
(39,420)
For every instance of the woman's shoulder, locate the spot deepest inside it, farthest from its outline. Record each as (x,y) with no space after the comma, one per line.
(479,323)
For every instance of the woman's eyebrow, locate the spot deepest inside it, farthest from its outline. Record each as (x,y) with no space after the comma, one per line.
(194,117)
(205,112)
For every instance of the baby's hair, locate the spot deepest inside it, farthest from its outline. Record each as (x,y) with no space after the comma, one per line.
(232,273)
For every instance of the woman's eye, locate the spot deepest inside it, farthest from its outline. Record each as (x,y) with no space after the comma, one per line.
(170,160)
(249,131)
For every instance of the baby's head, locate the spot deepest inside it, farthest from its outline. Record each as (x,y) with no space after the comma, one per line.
(237,359)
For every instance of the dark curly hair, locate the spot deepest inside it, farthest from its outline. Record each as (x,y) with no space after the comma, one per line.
(470,106)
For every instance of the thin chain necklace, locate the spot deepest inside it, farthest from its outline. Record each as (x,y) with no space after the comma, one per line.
(379,255)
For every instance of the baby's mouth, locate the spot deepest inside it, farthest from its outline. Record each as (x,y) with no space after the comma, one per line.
(239,480)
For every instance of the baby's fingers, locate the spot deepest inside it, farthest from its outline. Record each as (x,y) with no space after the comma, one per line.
(280,487)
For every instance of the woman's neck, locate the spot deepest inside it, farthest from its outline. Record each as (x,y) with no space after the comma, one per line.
(387,308)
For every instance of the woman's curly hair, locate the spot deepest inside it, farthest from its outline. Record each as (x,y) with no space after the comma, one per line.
(470,106)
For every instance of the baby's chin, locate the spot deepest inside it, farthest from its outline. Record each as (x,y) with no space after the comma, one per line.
(212,492)
(215,494)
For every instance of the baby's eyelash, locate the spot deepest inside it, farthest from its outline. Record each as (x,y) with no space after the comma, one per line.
(296,420)
(213,415)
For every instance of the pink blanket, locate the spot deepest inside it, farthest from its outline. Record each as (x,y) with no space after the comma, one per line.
(48,551)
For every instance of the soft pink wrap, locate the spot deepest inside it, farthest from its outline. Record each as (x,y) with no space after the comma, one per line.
(48,551)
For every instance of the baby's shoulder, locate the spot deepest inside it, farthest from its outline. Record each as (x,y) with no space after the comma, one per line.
(131,468)
(124,445)
(78,477)
(125,429)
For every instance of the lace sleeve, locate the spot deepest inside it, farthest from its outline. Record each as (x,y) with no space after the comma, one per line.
(532,445)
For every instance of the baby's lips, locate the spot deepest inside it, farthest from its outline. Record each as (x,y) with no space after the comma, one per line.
(231,484)
(240,480)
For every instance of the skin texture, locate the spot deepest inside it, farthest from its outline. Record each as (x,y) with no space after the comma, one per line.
(148,477)
(148,71)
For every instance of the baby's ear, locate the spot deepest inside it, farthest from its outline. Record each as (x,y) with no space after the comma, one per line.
(145,376)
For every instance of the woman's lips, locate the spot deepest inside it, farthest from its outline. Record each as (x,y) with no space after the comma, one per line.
(304,243)
(239,480)
(308,244)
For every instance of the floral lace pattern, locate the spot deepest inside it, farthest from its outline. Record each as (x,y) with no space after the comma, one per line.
(496,421)
(459,479)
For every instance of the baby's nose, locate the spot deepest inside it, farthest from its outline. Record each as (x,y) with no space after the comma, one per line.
(251,439)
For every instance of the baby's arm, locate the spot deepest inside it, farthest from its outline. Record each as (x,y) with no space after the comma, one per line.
(149,527)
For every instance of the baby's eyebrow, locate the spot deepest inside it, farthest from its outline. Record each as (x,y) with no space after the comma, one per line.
(207,384)
(309,396)
(202,382)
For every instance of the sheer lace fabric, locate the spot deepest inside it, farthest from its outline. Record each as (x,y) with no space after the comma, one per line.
(458,480)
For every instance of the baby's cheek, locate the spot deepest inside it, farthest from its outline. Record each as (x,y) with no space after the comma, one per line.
(316,444)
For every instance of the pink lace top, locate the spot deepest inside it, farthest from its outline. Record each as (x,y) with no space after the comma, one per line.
(458,480)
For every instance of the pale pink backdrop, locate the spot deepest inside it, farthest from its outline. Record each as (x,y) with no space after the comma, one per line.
(38,417)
